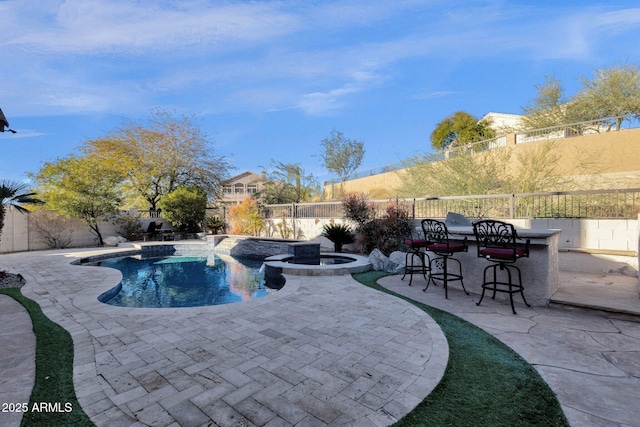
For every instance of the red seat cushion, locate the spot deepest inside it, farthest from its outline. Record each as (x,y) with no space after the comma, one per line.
(442,247)
(416,243)
(502,253)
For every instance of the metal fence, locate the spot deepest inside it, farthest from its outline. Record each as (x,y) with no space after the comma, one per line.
(593,204)
(608,124)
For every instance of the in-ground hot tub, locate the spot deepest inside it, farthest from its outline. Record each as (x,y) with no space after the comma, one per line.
(305,259)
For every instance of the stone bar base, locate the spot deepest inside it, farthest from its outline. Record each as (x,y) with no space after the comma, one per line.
(539,271)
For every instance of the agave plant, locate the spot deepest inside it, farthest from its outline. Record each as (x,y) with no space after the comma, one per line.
(15,194)
(214,224)
(339,234)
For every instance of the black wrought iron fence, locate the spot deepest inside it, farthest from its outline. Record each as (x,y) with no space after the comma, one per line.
(592,204)
(579,204)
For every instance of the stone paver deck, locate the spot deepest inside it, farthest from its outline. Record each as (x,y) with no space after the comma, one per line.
(272,363)
(17,360)
(591,362)
(318,352)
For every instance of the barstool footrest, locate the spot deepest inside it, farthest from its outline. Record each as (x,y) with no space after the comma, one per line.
(508,287)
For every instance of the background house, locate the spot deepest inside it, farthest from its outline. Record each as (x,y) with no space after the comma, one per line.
(236,188)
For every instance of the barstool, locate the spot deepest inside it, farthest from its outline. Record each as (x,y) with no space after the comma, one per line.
(416,247)
(437,236)
(497,243)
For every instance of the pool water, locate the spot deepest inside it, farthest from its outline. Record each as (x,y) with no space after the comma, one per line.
(184,281)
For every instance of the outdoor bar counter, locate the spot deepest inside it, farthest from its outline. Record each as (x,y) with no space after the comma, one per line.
(539,270)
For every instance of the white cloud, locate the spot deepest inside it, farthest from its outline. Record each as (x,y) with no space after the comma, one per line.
(108,26)
(106,55)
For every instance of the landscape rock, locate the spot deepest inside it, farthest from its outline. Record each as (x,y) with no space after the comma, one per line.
(113,240)
(381,262)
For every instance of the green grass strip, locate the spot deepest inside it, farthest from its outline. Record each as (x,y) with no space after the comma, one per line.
(53,396)
(485,383)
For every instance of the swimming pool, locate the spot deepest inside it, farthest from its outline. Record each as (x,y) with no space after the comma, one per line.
(184,281)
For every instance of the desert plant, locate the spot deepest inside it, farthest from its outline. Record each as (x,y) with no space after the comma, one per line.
(284,230)
(214,224)
(16,195)
(129,226)
(339,234)
(53,229)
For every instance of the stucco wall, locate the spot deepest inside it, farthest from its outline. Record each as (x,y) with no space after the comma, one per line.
(589,234)
(613,159)
(18,233)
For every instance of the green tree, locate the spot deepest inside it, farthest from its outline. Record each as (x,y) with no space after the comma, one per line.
(537,170)
(612,92)
(341,155)
(461,128)
(160,155)
(464,174)
(548,108)
(185,208)
(16,195)
(288,183)
(82,187)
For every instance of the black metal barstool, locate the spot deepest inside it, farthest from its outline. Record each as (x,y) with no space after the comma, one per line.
(437,236)
(415,248)
(498,243)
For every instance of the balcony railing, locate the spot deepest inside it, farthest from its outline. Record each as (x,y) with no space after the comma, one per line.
(608,124)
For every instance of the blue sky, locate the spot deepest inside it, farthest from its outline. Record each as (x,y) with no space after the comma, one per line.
(271,79)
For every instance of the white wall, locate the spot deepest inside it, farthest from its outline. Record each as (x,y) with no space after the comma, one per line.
(588,234)
(19,235)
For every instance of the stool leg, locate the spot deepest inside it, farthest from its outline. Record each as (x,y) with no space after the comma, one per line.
(510,283)
(411,269)
(430,269)
(495,280)
(520,286)
(407,268)
(484,283)
(461,278)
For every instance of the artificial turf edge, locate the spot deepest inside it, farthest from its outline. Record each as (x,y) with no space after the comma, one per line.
(485,383)
(53,400)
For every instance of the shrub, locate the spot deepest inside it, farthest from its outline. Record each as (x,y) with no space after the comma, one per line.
(185,208)
(245,218)
(339,234)
(53,229)
(358,208)
(385,233)
(284,230)
(130,226)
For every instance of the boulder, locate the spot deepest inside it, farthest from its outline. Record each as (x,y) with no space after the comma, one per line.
(113,240)
(398,257)
(381,262)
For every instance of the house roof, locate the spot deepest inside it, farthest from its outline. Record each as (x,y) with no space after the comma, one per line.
(243,175)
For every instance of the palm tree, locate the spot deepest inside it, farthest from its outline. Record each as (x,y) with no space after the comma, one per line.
(15,194)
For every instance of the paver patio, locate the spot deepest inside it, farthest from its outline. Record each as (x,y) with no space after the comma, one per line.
(318,352)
